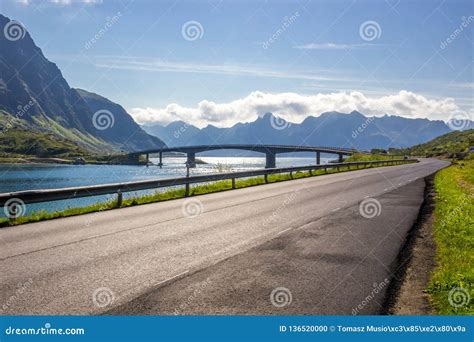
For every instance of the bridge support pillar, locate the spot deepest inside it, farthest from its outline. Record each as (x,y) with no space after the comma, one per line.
(318,158)
(160,164)
(270,160)
(191,161)
(341,158)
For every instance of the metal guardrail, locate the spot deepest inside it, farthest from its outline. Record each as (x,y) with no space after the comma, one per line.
(37,196)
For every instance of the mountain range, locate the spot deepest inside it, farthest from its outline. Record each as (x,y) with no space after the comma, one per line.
(353,130)
(34,96)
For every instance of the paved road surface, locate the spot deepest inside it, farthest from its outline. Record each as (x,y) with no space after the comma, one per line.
(305,235)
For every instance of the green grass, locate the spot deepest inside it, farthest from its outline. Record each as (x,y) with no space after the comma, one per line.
(454,236)
(20,143)
(369,157)
(168,195)
(451,145)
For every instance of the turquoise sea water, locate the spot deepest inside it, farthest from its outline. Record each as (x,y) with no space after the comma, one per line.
(16,177)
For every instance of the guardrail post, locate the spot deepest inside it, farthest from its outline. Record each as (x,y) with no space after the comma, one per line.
(233,183)
(291,174)
(119,198)
(13,211)
(310,172)
(266,178)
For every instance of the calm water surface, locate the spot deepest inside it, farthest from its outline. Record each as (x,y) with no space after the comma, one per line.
(16,177)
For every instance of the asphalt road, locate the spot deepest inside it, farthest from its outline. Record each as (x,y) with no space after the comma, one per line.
(307,236)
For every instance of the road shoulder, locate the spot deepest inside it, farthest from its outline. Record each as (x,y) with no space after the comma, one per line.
(407,296)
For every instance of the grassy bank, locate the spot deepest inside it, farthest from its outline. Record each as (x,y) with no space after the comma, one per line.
(161,195)
(453,279)
(368,157)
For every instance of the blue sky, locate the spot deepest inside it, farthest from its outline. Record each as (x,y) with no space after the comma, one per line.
(295,58)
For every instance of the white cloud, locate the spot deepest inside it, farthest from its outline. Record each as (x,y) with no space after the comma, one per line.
(157,65)
(296,107)
(334,46)
(61,2)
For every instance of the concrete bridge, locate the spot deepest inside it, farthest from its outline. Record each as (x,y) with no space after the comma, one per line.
(270,152)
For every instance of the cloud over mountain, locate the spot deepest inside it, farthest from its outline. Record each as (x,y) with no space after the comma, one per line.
(296,107)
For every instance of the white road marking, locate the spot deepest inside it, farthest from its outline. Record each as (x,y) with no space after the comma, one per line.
(176,276)
(283,231)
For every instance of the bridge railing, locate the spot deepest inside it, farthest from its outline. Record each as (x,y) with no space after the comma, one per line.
(38,196)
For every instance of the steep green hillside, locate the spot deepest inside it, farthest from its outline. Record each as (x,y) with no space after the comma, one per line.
(35,97)
(20,143)
(450,145)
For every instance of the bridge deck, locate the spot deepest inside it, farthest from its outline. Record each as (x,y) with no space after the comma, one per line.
(250,147)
